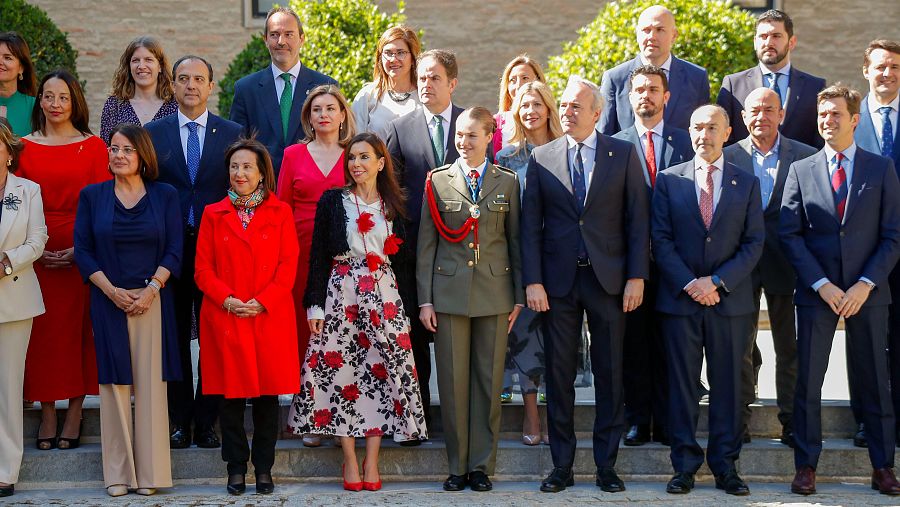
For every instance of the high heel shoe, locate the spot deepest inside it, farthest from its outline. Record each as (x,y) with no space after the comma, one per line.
(371,486)
(350,486)
(236,484)
(264,484)
(71,443)
(117,490)
(531,439)
(45,444)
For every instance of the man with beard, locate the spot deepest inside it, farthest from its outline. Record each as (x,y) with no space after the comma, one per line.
(773,43)
(659,146)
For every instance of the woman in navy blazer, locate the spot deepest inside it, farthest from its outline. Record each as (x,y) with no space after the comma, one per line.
(128,242)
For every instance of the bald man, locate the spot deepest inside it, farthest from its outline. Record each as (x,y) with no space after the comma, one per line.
(688,83)
(768,155)
(707,236)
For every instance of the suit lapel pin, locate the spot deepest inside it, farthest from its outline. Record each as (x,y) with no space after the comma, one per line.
(733,182)
(214,131)
(669,138)
(610,154)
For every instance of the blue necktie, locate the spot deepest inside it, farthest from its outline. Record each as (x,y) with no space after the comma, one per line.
(193,161)
(887,133)
(773,85)
(580,194)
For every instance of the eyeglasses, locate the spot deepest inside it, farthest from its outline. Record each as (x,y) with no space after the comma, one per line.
(127,151)
(400,55)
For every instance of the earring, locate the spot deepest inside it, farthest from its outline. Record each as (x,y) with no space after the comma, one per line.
(21,76)
(341,127)
(9,162)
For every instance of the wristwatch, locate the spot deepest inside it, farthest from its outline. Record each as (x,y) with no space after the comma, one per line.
(717,281)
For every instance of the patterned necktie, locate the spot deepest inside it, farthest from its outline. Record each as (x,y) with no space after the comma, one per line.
(287,98)
(437,140)
(193,161)
(706,197)
(839,185)
(887,133)
(473,184)
(773,84)
(650,157)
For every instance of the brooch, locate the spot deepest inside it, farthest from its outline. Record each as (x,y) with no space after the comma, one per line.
(11,202)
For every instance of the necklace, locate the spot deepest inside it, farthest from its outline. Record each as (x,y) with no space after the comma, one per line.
(399,97)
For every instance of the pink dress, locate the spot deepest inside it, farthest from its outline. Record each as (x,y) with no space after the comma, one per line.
(301,184)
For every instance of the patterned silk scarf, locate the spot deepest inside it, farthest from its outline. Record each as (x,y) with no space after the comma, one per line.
(247,204)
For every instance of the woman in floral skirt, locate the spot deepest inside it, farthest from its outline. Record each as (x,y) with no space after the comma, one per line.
(359,379)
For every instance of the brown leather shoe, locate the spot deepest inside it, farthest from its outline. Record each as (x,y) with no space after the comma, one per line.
(805,481)
(884,480)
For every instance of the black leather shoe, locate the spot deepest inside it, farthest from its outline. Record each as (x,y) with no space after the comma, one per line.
(732,483)
(608,481)
(264,484)
(479,481)
(680,483)
(661,435)
(639,434)
(455,483)
(236,484)
(180,438)
(859,439)
(207,439)
(787,436)
(7,490)
(558,480)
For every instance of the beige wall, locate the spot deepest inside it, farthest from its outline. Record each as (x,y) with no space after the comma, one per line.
(485,34)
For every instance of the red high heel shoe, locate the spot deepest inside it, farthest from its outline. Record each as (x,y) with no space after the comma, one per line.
(371,486)
(351,486)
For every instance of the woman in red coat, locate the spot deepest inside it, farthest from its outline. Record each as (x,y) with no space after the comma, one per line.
(246,263)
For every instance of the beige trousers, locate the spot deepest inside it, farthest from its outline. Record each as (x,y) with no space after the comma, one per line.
(14,338)
(137,454)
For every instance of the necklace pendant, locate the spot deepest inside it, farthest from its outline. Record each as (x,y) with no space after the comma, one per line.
(474,211)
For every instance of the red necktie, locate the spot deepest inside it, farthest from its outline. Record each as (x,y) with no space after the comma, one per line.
(839,185)
(706,197)
(650,157)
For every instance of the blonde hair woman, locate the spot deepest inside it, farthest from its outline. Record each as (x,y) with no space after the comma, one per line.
(519,71)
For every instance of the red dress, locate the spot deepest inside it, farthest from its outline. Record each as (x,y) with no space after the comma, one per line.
(301,184)
(61,362)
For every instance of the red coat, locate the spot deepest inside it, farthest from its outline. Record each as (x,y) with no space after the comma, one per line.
(248,357)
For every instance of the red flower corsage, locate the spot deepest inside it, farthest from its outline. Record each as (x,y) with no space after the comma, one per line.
(364,222)
(392,244)
(373,261)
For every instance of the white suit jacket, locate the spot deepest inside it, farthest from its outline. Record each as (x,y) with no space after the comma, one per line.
(23,234)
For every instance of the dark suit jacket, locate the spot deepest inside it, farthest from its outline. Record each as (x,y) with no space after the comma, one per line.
(685,250)
(776,273)
(688,85)
(799,113)
(212,182)
(867,244)
(256,107)
(676,148)
(615,221)
(866,137)
(409,144)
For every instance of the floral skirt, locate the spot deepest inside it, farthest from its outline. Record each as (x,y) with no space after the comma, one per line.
(358,377)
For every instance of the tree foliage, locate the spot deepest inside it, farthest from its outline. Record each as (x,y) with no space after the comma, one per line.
(50,48)
(711,33)
(341,36)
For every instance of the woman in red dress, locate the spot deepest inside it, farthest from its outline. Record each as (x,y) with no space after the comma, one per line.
(309,169)
(62,156)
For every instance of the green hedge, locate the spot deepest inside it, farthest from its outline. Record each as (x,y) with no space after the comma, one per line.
(712,33)
(340,41)
(49,46)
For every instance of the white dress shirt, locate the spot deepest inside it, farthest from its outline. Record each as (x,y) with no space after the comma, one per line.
(700,170)
(445,115)
(877,121)
(184,132)
(588,152)
(279,83)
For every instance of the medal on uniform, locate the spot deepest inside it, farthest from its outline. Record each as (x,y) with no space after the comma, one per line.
(475,211)
(453,235)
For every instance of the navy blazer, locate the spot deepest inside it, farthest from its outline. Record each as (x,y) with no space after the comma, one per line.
(866,244)
(688,86)
(685,250)
(676,148)
(776,273)
(211,182)
(614,223)
(799,112)
(95,250)
(409,144)
(867,138)
(256,108)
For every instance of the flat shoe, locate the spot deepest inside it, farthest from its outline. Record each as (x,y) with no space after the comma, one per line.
(117,490)
(145,491)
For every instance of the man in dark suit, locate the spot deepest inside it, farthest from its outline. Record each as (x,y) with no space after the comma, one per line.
(688,83)
(190,147)
(877,133)
(419,142)
(840,228)
(708,235)
(774,42)
(585,248)
(268,102)
(659,146)
(768,155)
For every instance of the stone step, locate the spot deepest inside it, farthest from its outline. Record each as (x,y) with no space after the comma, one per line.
(837,419)
(762,460)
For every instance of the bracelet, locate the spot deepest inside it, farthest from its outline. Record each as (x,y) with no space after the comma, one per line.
(115,292)
(159,281)
(154,284)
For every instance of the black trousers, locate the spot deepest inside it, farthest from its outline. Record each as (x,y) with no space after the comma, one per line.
(644,370)
(867,372)
(235,450)
(784,338)
(562,328)
(894,347)
(723,339)
(186,405)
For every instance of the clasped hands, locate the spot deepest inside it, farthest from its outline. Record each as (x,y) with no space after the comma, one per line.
(59,259)
(845,304)
(251,308)
(703,291)
(133,302)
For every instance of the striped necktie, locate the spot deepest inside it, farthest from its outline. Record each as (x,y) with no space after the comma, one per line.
(839,185)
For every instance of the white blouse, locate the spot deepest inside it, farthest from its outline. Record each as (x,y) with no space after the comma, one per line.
(376,115)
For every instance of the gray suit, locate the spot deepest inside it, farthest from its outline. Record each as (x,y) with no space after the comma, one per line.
(775,276)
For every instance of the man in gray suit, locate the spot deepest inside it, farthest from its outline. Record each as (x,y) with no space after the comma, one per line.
(767,154)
